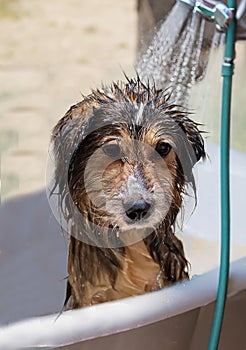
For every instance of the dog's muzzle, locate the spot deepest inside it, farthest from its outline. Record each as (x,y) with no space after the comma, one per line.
(137,210)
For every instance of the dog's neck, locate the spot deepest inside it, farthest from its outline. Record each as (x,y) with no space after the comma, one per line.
(139,269)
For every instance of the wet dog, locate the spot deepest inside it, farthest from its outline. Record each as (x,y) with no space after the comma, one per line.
(124,158)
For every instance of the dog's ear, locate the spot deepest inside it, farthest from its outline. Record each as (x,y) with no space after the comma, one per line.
(66,137)
(194,137)
(190,146)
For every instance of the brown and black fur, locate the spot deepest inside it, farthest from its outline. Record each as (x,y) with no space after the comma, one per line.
(98,271)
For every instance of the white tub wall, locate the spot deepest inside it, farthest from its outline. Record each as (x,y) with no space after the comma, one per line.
(188,331)
(33,259)
(233,334)
(201,232)
(172,334)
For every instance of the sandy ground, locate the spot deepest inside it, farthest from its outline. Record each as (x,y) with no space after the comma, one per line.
(52,52)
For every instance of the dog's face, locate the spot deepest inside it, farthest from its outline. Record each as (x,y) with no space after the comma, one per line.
(129,177)
(129,169)
(138,185)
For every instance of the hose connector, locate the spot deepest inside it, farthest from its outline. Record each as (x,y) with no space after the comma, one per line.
(213,11)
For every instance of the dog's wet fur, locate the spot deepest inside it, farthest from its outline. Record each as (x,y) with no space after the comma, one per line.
(124,158)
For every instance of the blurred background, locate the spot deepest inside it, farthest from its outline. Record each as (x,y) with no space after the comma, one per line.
(52,52)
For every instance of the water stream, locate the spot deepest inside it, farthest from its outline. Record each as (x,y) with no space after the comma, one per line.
(179,53)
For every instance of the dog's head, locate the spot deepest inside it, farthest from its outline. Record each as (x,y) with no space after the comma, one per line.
(124,156)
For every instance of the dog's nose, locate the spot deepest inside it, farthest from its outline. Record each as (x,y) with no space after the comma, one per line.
(137,209)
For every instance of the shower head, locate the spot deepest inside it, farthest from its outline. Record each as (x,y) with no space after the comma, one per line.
(223,16)
(214,11)
(218,12)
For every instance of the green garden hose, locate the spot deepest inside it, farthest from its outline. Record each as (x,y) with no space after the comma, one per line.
(227,73)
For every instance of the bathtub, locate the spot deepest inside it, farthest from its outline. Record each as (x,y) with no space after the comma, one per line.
(33,256)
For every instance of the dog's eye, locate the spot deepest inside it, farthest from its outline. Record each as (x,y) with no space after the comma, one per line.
(163,148)
(112,150)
